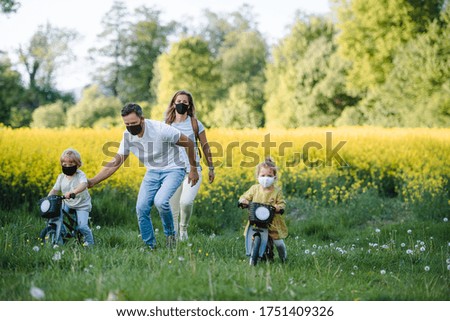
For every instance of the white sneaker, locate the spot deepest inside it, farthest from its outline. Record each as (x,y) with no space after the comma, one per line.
(183,236)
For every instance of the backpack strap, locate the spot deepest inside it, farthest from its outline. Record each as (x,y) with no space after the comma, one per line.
(194,123)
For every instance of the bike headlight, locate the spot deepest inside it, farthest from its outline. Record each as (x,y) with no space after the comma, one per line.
(262,213)
(45,206)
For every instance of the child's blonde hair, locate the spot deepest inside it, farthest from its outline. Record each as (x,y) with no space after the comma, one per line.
(268,163)
(73,155)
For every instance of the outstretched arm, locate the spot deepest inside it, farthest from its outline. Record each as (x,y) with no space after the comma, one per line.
(109,169)
(185,142)
(207,153)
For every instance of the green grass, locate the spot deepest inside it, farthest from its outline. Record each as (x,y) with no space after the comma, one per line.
(352,251)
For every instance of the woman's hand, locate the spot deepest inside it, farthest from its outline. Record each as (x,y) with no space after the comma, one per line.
(212,175)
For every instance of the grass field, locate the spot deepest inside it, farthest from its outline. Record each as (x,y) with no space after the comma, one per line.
(395,259)
(376,229)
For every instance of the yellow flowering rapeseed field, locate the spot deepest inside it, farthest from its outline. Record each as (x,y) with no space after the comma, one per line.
(328,165)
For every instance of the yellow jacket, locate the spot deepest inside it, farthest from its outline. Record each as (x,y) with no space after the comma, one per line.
(256,193)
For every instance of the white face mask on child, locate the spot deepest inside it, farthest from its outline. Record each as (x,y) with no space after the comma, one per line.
(266,181)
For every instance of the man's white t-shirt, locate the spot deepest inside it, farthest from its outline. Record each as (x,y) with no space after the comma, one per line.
(156,149)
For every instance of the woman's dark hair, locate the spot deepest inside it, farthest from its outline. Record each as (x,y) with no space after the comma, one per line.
(170,112)
(131,108)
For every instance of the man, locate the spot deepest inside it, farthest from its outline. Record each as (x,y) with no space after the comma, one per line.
(156,146)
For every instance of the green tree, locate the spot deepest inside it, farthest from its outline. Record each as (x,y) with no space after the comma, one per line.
(188,65)
(242,60)
(218,26)
(11,89)
(94,107)
(372,31)
(240,53)
(306,79)
(49,116)
(417,91)
(49,49)
(111,53)
(147,40)
(9,6)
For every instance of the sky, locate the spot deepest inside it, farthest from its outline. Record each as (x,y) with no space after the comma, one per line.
(84,16)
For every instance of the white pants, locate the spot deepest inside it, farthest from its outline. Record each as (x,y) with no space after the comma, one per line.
(182,203)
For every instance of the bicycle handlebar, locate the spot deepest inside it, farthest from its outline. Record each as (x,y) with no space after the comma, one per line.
(72,196)
(242,205)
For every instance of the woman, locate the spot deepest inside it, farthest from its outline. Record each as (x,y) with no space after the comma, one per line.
(181,114)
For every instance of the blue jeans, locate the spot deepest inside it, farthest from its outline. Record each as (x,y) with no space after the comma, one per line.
(157,188)
(83,225)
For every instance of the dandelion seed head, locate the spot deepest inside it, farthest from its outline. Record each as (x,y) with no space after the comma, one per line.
(377,230)
(409,231)
(445,219)
(427,268)
(56,256)
(422,249)
(36,248)
(180,258)
(383,272)
(306,251)
(448,261)
(37,293)
(409,251)
(403,245)
(98,227)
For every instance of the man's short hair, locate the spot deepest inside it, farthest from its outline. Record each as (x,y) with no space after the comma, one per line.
(131,108)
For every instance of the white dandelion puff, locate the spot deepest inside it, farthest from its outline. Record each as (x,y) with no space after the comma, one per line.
(427,268)
(445,219)
(409,251)
(36,248)
(409,231)
(56,256)
(377,230)
(98,227)
(383,272)
(112,296)
(403,245)
(37,293)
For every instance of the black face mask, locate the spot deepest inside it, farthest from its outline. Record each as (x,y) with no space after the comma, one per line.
(181,108)
(135,129)
(69,171)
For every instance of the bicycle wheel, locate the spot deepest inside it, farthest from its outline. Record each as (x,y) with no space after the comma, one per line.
(48,236)
(254,254)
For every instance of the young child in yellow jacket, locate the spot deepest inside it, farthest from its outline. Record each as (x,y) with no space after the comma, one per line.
(266,192)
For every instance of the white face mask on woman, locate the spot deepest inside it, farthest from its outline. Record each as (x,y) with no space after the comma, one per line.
(266,181)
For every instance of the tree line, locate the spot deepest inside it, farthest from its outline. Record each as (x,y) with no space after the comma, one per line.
(371,62)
